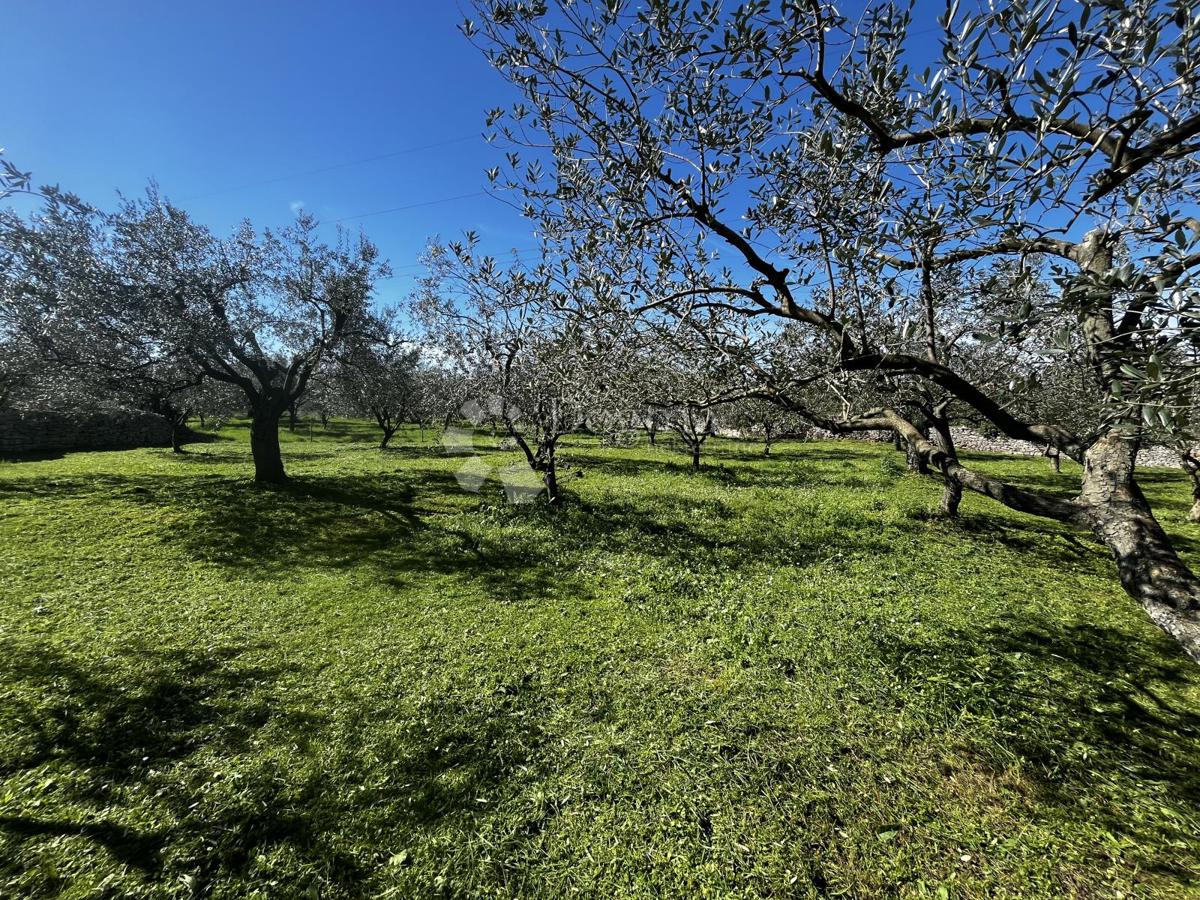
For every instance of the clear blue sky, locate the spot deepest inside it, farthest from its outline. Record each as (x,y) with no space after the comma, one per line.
(213,98)
(245,108)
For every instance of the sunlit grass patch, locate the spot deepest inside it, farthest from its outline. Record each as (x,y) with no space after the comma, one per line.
(774,677)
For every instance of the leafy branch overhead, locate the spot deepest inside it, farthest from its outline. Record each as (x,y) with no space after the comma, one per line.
(1018,190)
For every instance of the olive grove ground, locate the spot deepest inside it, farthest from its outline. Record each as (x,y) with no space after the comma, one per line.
(774,677)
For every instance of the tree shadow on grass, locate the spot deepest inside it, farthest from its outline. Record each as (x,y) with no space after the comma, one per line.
(138,849)
(32,456)
(339,431)
(1035,474)
(691,531)
(1085,710)
(801,467)
(686,528)
(373,523)
(459,754)
(104,727)
(245,458)
(162,706)
(1050,543)
(404,450)
(165,760)
(1168,492)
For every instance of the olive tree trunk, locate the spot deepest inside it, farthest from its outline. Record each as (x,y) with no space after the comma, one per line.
(264,444)
(952,488)
(1150,569)
(387,426)
(1191,465)
(543,460)
(550,478)
(178,421)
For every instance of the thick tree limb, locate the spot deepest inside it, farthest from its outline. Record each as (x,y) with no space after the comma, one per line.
(945,378)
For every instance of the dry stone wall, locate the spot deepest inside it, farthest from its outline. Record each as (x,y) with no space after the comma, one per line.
(966,439)
(969,440)
(46,431)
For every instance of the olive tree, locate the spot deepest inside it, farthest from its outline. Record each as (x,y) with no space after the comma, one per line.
(768,421)
(381,378)
(539,368)
(260,312)
(73,338)
(764,149)
(212,403)
(681,381)
(146,299)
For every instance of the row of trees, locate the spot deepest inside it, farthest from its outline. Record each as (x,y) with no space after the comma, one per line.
(872,244)
(768,202)
(145,307)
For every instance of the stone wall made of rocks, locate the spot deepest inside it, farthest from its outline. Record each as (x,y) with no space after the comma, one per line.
(966,439)
(25,431)
(969,440)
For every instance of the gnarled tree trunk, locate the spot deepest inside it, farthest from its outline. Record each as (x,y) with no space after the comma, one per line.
(388,426)
(952,489)
(543,460)
(264,443)
(1150,569)
(1191,465)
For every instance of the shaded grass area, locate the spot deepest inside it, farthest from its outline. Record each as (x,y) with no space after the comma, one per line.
(776,677)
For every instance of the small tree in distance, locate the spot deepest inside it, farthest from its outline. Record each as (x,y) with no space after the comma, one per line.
(541,370)
(381,379)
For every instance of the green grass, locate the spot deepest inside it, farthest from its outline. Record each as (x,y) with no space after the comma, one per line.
(773,678)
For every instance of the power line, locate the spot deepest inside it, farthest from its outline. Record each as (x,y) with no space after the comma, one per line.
(511,251)
(334,167)
(395,209)
(514,252)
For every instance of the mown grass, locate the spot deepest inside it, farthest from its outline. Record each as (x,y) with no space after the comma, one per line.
(773,678)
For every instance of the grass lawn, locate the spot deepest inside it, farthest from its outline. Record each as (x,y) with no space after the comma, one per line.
(775,678)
